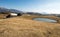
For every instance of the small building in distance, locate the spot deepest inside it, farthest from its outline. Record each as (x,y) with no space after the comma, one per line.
(13,14)
(9,15)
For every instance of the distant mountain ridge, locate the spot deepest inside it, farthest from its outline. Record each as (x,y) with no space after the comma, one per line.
(14,10)
(10,10)
(5,10)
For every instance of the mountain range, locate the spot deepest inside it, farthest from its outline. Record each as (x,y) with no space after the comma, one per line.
(3,10)
(10,10)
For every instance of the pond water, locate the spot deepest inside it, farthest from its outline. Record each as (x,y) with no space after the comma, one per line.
(44,19)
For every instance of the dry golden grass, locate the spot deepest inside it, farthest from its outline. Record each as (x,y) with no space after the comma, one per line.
(3,16)
(36,16)
(21,27)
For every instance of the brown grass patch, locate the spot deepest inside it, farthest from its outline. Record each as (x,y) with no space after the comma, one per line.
(33,16)
(20,27)
(3,16)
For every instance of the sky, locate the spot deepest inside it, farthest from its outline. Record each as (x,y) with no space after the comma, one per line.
(41,6)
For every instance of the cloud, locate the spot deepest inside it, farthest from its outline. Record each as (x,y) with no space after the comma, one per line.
(51,8)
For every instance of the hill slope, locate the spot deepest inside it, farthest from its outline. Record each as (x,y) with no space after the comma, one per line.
(20,27)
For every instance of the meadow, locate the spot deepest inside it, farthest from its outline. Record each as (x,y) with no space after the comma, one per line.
(24,26)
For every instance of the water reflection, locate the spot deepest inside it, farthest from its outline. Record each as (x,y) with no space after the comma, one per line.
(45,19)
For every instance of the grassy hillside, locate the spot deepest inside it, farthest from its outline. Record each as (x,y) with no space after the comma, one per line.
(20,27)
(26,16)
(3,16)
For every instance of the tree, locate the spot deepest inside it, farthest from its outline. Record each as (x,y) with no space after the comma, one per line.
(19,14)
(8,16)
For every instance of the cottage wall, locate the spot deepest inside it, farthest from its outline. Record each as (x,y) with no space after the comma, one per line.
(13,14)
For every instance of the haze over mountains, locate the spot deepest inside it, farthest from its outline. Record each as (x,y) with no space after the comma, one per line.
(17,11)
(10,10)
(31,13)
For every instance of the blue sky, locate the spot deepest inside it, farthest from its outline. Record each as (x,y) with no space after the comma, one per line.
(48,6)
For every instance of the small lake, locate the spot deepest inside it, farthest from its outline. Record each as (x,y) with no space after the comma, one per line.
(45,20)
